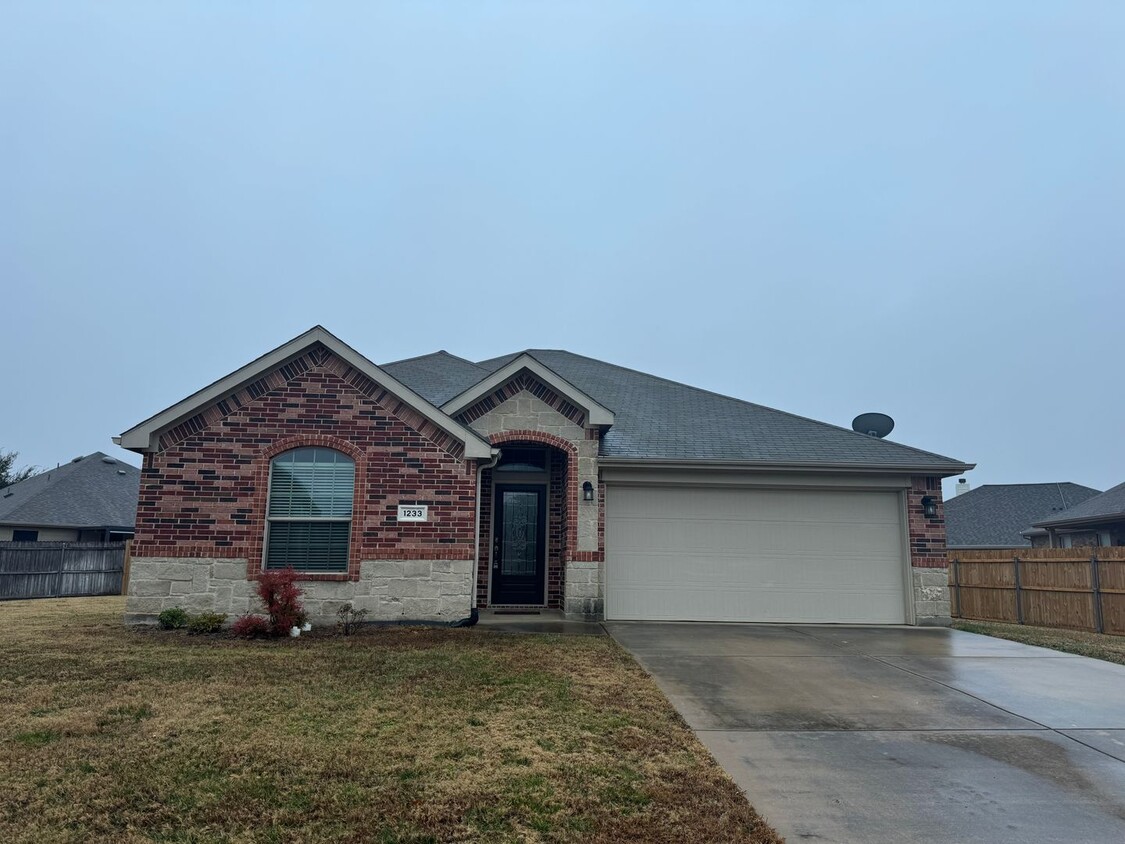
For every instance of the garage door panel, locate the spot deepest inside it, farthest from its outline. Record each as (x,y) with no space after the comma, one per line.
(736,537)
(754,555)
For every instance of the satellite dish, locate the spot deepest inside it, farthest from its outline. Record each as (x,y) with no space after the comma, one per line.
(873,424)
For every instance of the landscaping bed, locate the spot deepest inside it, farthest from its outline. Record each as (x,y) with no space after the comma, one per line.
(1096,645)
(391,735)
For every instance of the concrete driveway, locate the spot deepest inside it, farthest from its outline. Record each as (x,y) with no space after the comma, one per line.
(900,734)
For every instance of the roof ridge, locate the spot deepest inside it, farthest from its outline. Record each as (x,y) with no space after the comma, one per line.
(751,404)
(430,355)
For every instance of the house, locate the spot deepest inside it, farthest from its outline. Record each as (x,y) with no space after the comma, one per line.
(89,499)
(1098,521)
(996,515)
(428,488)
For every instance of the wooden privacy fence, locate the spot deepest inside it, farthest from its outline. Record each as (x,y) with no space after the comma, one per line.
(1077,588)
(62,569)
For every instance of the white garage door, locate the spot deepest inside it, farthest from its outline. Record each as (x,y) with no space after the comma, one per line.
(707,554)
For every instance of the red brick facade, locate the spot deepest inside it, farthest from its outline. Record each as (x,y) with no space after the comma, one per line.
(204,493)
(927,535)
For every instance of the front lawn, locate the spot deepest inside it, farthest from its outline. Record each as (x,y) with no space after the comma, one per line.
(394,735)
(1097,645)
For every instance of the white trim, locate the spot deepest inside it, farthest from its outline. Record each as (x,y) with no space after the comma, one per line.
(907,559)
(144,437)
(596,414)
(649,463)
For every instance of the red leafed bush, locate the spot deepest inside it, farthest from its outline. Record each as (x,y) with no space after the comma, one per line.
(251,626)
(282,600)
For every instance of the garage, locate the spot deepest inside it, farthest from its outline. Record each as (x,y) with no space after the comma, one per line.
(677,553)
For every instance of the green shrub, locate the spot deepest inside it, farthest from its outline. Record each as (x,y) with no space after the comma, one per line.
(172,619)
(206,622)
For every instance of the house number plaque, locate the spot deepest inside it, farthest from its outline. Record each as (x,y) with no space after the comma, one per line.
(413,513)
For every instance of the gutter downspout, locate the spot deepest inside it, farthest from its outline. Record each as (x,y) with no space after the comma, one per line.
(474,615)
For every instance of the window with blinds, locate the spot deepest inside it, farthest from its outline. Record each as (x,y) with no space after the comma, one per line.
(309,514)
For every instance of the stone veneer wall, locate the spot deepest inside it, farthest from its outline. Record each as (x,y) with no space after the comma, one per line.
(928,556)
(390,590)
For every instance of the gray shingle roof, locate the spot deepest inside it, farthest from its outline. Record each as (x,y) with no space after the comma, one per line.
(436,377)
(993,515)
(85,493)
(661,419)
(1109,505)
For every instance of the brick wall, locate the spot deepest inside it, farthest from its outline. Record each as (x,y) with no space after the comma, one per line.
(927,536)
(203,494)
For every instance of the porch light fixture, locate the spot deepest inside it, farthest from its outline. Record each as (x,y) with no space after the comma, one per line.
(929,507)
(587,491)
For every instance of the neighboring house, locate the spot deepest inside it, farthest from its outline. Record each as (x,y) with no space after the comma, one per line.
(1097,521)
(995,515)
(426,488)
(89,499)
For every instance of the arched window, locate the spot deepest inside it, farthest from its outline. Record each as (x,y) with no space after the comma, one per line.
(309,513)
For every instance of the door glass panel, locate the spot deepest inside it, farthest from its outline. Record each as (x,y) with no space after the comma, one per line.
(521,533)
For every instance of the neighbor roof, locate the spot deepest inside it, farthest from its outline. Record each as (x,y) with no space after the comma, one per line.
(994,515)
(660,420)
(95,491)
(1108,506)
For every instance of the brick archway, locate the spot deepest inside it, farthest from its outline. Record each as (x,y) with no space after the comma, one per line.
(571,470)
(562,525)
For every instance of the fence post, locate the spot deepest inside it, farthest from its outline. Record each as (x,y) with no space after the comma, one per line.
(126,564)
(1019,593)
(1095,583)
(957,583)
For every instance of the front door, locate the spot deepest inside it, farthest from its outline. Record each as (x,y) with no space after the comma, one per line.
(519,544)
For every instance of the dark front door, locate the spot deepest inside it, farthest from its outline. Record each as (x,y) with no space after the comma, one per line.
(519,544)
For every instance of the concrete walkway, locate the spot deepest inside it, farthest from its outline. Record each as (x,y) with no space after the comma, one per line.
(900,734)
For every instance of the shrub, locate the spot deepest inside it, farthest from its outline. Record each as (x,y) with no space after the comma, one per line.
(251,626)
(172,619)
(206,622)
(282,600)
(348,619)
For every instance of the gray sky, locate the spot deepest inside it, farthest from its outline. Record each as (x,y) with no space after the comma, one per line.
(823,207)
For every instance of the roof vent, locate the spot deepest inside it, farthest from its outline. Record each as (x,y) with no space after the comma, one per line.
(76,460)
(108,460)
(121,471)
(873,424)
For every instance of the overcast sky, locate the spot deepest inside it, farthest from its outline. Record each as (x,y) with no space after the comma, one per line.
(829,208)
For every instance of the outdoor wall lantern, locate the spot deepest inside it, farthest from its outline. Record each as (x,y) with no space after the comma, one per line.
(929,507)
(587,491)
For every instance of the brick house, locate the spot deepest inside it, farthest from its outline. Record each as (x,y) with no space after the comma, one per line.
(429,488)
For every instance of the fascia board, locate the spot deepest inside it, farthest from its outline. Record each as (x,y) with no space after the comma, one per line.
(945,471)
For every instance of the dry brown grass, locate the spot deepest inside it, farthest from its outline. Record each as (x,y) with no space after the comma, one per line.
(396,735)
(1097,645)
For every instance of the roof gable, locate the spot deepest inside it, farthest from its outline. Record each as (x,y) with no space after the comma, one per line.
(253,379)
(596,413)
(89,492)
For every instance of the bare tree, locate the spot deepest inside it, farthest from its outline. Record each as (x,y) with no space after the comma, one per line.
(8,474)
